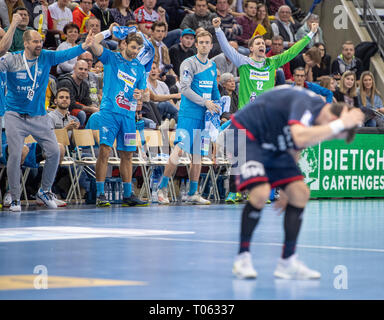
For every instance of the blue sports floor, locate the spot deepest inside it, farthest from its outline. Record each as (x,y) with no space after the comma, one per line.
(186,252)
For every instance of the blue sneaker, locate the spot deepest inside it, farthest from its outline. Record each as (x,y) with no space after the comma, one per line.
(231,198)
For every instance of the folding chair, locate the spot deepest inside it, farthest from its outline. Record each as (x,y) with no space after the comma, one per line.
(140,160)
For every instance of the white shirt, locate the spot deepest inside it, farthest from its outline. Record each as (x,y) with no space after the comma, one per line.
(61,16)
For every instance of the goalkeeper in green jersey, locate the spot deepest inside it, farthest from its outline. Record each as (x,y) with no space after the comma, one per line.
(257,72)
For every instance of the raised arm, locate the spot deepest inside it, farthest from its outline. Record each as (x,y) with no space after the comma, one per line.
(96,47)
(6,42)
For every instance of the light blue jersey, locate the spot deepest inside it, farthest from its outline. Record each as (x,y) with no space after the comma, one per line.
(3,83)
(198,84)
(121,77)
(19,97)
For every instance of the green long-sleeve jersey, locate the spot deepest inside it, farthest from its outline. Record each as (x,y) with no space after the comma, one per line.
(256,77)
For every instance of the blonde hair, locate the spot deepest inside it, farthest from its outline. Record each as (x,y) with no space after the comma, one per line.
(363,94)
(349,92)
(326,82)
(203,34)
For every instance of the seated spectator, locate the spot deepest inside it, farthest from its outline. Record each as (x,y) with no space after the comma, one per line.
(6,11)
(369,97)
(347,61)
(95,83)
(306,28)
(263,19)
(71,32)
(248,24)
(347,89)
(329,83)
(274,6)
(228,88)
(284,26)
(36,8)
(103,13)
(60,15)
(324,68)
(17,41)
(224,65)
(159,93)
(94,24)
(81,14)
(185,49)
(299,77)
(121,12)
(60,117)
(151,114)
(146,16)
(307,61)
(81,103)
(228,23)
(175,12)
(277,48)
(161,51)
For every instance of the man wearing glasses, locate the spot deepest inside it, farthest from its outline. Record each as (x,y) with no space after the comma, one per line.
(27,80)
(277,47)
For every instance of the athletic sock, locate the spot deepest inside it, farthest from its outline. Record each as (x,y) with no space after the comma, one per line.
(99,188)
(249,220)
(164,182)
(127,187)
(292,223)
(193,188)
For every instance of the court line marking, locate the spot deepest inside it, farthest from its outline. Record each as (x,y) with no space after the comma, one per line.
(267,244)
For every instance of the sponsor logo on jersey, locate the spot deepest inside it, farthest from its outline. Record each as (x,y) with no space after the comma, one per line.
(124,103)
(21,75)
(128,80)
(259,75)
(205,84)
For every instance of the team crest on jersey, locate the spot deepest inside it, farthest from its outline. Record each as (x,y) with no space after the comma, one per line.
(186,74)
(128,80)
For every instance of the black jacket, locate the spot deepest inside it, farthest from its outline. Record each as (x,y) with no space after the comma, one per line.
(340,98)
(79,94)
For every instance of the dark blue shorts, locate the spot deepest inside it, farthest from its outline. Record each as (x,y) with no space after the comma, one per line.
(263,166)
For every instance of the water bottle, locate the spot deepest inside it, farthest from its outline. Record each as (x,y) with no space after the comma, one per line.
(185,194)
(183,190)
(154,191)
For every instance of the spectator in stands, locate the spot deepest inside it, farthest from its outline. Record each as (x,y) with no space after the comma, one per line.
(329,83)
(347,61)
(121,12)
(324,68)
(159,93)
(161,51)
(146,16)
(275,5)
(35,9)
(61,15)
(369,97)
(71,32)
(18,42)
(81,103)
(150,113)
(228,88)
(347,91)
(94,24)
(228,23)
(277,48)
(299,77)
(306,27)
(185,49)
(307,60)
(103,13)
(224,65)
(263,19)
(175,12)
(81,14)
(95,83)
(248,24)
(284,27)
(6,10)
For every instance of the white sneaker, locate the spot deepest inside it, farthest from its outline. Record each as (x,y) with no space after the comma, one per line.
(59,203)
(293,268)
(7,200)
(196,199)
(46,198)
(15,206)
(243,268)
(164,125)
(162,196)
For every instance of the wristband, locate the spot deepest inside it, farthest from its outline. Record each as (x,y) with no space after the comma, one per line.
(106,34)
(336,126)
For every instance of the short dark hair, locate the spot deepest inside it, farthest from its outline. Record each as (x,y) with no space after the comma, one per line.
(19,9)
(134,37)
(70,26)
(62,89)
(158,24)
(298,69)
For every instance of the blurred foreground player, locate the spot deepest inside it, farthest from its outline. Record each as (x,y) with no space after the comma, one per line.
(277,126)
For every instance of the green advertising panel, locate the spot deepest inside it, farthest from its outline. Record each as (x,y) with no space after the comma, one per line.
(337,169)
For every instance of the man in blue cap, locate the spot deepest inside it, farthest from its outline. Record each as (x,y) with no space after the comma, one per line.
(185,49)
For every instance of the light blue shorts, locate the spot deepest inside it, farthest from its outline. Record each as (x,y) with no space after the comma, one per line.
(189,135)
(120,127)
